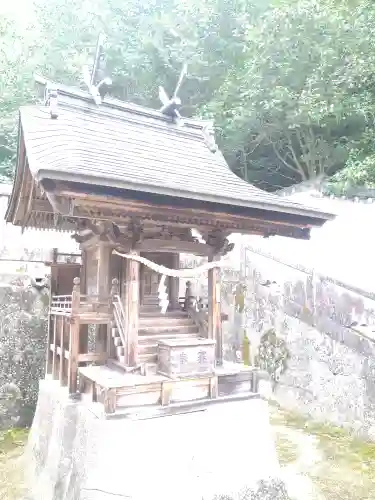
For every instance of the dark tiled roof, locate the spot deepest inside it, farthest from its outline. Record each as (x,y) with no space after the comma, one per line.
(131,147)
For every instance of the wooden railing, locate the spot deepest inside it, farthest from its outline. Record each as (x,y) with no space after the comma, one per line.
(119,317)
(62,304)
(197,309)
(67,335)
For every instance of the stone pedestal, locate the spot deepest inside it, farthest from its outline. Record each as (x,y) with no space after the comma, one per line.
(226,451)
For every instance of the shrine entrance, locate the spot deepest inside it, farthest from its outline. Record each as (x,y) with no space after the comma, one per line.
(150,279)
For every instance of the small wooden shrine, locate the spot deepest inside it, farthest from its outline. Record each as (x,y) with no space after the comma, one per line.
(131,183)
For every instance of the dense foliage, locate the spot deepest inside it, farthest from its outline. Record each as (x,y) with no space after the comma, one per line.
(290,84)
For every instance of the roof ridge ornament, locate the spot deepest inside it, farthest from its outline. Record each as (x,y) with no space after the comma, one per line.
(99,90)
(171,105)
(209,137)
(51,100)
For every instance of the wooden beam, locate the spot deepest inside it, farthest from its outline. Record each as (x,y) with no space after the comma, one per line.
(173,246)
(137,207)
(93,357)
(61,205)
(112,209)
(107,211)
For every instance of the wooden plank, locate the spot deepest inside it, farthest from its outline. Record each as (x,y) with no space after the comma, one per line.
(92,357)
(160,245)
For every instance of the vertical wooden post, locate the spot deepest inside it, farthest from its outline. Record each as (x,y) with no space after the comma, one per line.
(188,293)
(54,354)
(74,338)
(62,351)
(103,287)
(214,312)
(132,309)
(115,292)
(141,283)
(51,335)
(174,283)
(84,329)
(103,276)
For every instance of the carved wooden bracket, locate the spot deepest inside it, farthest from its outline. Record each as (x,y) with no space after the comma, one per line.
(219,243)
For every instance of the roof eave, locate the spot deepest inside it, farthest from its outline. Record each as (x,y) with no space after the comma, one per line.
(21,153)
(85,179)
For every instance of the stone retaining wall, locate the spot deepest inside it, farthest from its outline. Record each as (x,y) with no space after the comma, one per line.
(305,330)
(22,350)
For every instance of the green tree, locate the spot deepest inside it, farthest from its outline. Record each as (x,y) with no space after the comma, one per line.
(302,99)
(288,83)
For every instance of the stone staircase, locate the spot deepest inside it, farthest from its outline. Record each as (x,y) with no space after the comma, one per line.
(154,326)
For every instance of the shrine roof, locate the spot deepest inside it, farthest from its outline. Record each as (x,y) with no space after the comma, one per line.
(130,147)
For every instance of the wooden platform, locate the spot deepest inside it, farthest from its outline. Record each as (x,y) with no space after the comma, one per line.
(119,391)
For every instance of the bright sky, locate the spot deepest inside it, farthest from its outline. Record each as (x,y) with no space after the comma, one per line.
(342,249)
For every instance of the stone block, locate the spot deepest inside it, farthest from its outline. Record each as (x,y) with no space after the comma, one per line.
(75,455)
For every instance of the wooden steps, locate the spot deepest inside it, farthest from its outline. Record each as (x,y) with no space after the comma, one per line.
(154,326)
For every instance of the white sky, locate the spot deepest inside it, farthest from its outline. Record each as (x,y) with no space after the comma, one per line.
(342,248)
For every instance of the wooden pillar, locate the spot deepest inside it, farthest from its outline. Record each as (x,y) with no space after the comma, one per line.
(74,339)
(51,335)
(132,307)
(103,273)
(55,372)
(62,375)
(174,283)
(84,329)
(142,283)
(103,281)
(115,294)
(214,312)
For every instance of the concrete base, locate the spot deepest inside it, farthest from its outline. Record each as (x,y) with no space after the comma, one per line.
(226,451)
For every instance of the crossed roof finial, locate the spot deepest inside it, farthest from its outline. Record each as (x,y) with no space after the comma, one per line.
(100,89)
